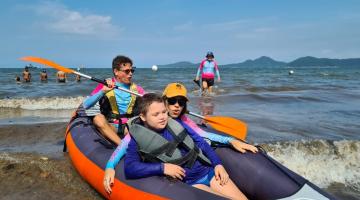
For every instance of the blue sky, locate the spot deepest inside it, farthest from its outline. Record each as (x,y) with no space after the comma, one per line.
(91,33)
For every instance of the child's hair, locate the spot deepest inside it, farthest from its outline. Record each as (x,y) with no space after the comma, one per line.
(147,100)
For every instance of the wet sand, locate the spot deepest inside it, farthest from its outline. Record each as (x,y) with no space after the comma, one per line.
(28,171)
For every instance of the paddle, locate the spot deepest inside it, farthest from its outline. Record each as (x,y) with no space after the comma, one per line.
(197,82)
(228,125)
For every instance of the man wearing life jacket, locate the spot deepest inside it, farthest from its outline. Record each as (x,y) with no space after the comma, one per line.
(208,68)
(115,105)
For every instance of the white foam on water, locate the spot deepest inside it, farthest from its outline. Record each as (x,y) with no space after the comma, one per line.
(320,161)
(42,103)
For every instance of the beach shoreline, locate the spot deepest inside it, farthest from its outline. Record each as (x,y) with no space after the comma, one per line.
(34,176)
(32,164)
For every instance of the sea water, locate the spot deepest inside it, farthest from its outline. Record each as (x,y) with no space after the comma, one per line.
(308,120)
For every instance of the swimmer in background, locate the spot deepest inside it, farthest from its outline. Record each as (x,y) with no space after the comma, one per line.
(17,79)
(61,77)
(26,74)
(43,76)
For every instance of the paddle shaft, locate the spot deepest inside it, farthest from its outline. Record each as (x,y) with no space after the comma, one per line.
(125,90)
(227,125)
(104,83)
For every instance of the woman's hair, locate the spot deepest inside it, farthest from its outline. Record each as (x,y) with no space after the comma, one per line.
(146,100)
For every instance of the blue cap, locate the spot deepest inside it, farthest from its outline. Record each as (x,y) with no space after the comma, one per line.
(209,54)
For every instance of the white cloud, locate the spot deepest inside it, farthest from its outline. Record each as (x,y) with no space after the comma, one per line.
(63,20)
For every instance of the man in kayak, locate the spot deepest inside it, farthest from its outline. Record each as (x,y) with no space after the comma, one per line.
(43,75)
(207,69)
(187,157)
(26,74)
(115,105)
(61,77)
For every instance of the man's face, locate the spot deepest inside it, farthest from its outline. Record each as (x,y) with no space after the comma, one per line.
(124,75)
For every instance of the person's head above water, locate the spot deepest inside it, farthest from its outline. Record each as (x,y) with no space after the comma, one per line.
(210,55)
(123,69)
(175,95)
(153,111)
(44,70)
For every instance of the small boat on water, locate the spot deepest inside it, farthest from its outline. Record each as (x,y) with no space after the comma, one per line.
(257,175)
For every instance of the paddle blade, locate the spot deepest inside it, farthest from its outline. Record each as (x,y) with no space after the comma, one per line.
(197,82)
(228,125)
(47,62)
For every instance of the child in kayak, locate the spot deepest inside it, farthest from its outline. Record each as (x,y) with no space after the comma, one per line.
(160,146)
(176,111)
(175,95)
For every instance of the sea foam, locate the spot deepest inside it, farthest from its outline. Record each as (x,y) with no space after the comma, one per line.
(42,103)
(322,162)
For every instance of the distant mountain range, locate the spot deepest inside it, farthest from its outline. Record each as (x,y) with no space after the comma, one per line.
(265,61)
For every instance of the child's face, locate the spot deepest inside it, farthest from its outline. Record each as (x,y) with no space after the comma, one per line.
(156,117)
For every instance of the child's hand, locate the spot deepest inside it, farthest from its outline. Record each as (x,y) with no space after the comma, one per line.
(242,146)
(221,174)
(174,171)
(109,179)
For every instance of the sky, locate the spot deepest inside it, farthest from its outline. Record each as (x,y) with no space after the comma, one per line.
(92,33)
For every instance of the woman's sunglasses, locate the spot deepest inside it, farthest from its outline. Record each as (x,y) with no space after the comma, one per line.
(127,71)
(180,100)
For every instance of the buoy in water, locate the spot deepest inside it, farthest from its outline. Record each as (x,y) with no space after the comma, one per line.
(154,68)
(291,72)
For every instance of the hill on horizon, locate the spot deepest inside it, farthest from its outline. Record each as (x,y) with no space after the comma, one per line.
(265,61)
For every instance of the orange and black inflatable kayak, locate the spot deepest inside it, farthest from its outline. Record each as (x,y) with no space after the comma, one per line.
(257,175)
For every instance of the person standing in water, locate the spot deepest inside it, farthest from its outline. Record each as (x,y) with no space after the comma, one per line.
(207,69)
(43,75)
(78,77)
(26,74)
(61,77)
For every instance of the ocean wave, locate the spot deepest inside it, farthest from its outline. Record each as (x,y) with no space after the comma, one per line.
(321,161)
(42,103)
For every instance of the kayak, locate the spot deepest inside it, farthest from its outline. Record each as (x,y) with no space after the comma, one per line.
(257,175)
